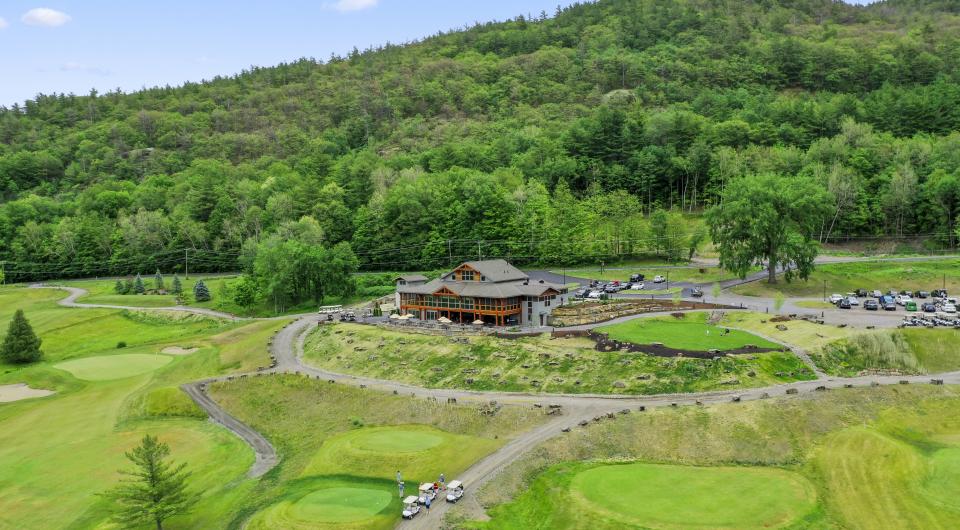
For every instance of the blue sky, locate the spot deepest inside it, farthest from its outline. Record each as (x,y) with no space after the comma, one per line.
(75,45)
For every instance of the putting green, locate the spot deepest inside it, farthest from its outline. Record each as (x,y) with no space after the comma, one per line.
(109,367)
(675,497)
(339,505)
(396,441)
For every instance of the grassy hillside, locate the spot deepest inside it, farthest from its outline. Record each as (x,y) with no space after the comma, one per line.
(869,458)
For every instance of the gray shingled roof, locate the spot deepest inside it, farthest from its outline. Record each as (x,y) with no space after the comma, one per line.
(411,278)
(496,270)
(483,289)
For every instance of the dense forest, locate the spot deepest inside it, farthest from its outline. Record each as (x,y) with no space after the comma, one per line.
(596,131)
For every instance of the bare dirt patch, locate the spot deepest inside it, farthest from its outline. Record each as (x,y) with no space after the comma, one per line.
(20,391)
(177,350)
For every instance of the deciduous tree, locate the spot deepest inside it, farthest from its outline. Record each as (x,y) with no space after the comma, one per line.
(772,220)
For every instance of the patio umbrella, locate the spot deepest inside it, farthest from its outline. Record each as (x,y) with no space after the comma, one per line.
(478,322)
(444,320)
(408,316)
(394,316)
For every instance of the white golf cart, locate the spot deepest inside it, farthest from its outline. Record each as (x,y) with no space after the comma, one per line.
(454,491)
(427,491)
(411,507)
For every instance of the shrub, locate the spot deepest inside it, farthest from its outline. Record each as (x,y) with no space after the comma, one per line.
(200,292)
(121,345)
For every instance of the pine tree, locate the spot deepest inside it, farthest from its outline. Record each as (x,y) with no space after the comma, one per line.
(156,490)
(200,292)
(158,281)
(128,286)
(120,287)
(21,344)
(138,286)
(177,286)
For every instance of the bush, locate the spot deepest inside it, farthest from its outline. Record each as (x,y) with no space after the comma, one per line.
(121,345)
(200,292)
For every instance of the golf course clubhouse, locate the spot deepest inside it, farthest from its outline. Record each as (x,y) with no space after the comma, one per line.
(492,292)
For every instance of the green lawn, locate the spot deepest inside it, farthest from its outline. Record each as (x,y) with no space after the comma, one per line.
(539,364)
(848,277)
(672,272)
(800,333)
(335,436)
(108,367)
(879,481)
(102,292)
(690,332)
(57,453)
(870,458)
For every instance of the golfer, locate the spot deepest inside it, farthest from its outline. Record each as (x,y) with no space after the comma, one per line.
(399,478)
(443,481)
(427,504)
(401,490)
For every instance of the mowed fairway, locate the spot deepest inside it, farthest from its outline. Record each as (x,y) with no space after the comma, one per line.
(57,454)
(691,332)
(109,367)
(677,497)
(877,481)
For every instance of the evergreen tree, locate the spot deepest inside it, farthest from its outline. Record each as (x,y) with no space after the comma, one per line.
(156,490)
(128,286)
(177,286)
(138,286)
(200,292)
(21,344)
(120,287)
(158,281)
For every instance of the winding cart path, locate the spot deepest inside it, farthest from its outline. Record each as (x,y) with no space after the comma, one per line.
(287,349)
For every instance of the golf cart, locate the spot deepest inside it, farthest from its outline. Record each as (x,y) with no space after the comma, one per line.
(411,507)
(454,491)
(427,491)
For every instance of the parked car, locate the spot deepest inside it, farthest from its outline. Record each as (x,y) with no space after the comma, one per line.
(949,308)
(910,306)
(610,288)
(835,298)
(853,300)
(638,286)
(877,294)
(595,295)
(659,279)
(902,299)
(861,293)
(929,308)
(696,292)
(844,303)
(887,299)
(634,278)
(871,305)
(889,306)
(939,293)
(921,294)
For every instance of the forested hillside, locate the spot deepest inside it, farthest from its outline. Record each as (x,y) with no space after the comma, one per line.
(544,139)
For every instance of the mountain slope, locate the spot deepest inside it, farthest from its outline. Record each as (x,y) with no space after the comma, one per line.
(543,139)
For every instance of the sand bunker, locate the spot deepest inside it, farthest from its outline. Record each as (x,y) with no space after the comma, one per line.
(177,350)
(10,393)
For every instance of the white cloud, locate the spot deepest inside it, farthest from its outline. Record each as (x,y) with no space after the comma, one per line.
(3,23)
(46,17)
(352,5)
(74,66)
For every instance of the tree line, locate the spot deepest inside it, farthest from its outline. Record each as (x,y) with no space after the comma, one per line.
(555,138)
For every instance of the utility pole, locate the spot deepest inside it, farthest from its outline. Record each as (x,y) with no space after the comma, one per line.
(824,290)
(449,253)
(479,254)
(186,262)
